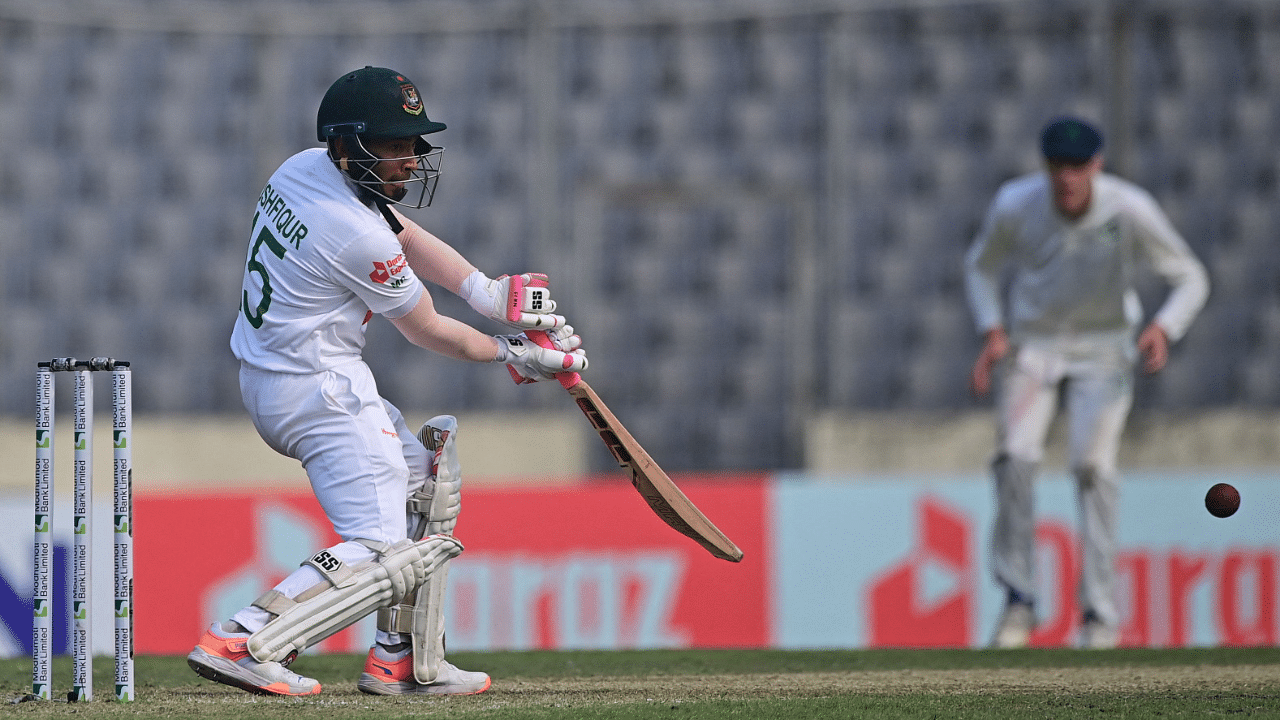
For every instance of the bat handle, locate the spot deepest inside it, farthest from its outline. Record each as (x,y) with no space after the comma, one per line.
(567,379)
(515,294)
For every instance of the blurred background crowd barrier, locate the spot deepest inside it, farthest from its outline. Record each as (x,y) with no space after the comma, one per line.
(754,211)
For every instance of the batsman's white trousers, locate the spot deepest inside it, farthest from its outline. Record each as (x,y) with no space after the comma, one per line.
(1098,394)
(363,461)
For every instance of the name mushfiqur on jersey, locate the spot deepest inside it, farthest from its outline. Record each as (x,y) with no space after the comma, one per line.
(320,264)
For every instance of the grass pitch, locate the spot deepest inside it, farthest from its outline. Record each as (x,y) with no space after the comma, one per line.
(1131,683)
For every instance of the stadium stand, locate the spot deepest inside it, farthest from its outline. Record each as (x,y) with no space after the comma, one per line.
(724,180)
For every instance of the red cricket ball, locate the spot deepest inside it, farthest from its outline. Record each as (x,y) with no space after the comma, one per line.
(1222,500)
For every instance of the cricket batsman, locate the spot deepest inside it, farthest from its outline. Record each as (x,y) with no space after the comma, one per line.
(1072,239)
(327,251)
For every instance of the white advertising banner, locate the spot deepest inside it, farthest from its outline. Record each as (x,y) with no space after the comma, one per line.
(903,562)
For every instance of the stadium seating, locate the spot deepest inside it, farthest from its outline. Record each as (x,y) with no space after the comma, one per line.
(724,187)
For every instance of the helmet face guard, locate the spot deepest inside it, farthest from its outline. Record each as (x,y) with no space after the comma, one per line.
(373,104)
(416,191)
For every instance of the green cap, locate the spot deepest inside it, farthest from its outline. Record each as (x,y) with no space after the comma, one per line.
(373,102)
(1070,139)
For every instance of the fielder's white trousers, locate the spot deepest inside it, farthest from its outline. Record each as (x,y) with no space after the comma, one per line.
(1097,389)
(363,461)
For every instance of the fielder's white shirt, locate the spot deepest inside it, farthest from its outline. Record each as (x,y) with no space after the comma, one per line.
(320,263)
(1074,280)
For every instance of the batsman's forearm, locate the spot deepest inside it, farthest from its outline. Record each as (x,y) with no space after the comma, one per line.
(431,258)
(457,340)
(427,329)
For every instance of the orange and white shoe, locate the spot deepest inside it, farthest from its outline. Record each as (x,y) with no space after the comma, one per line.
(388,673)
(224,657)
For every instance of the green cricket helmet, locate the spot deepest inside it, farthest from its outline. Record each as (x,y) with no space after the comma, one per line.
(379,104)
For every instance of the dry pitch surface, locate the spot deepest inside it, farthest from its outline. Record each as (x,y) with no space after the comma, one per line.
(724,684)
(903,682)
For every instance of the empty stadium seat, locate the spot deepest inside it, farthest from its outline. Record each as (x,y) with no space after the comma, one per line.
(136,155)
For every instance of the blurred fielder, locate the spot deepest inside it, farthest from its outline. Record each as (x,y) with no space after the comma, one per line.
(327,251)
(1071,239)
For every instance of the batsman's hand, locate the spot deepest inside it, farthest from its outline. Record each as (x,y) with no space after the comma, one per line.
(530,362)
(519,301)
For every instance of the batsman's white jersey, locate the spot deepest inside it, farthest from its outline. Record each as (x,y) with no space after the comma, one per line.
(319,263)
(1074,280)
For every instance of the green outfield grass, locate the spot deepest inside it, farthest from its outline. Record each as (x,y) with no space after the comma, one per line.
(1182,683)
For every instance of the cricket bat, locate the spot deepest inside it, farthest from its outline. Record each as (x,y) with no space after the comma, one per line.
(663,496)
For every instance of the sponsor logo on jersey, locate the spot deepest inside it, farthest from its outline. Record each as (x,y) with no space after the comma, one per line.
(412,103)
(1110,232)
(388,273)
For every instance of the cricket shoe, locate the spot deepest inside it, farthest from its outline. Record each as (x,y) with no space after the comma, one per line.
(1015,626)
(391,673)
(224,657)
(1097,635)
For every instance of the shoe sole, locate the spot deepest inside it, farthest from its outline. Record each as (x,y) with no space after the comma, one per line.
(371,685)
(1008,646)
(221,670)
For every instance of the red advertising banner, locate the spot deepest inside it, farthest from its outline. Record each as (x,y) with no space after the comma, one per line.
(587,565)
(858,562)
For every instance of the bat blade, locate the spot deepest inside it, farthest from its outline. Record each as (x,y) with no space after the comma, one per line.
(663,496)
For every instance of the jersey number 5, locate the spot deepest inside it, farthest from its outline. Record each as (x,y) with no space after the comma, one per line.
(255,266)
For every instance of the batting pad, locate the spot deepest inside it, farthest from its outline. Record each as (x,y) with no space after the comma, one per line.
(422,615)
(441,501)
(428,627)
(349,594)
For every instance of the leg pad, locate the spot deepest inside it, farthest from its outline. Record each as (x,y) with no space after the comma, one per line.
(348,594)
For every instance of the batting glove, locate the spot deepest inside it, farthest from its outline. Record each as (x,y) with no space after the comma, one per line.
(530,362)
(529,306)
